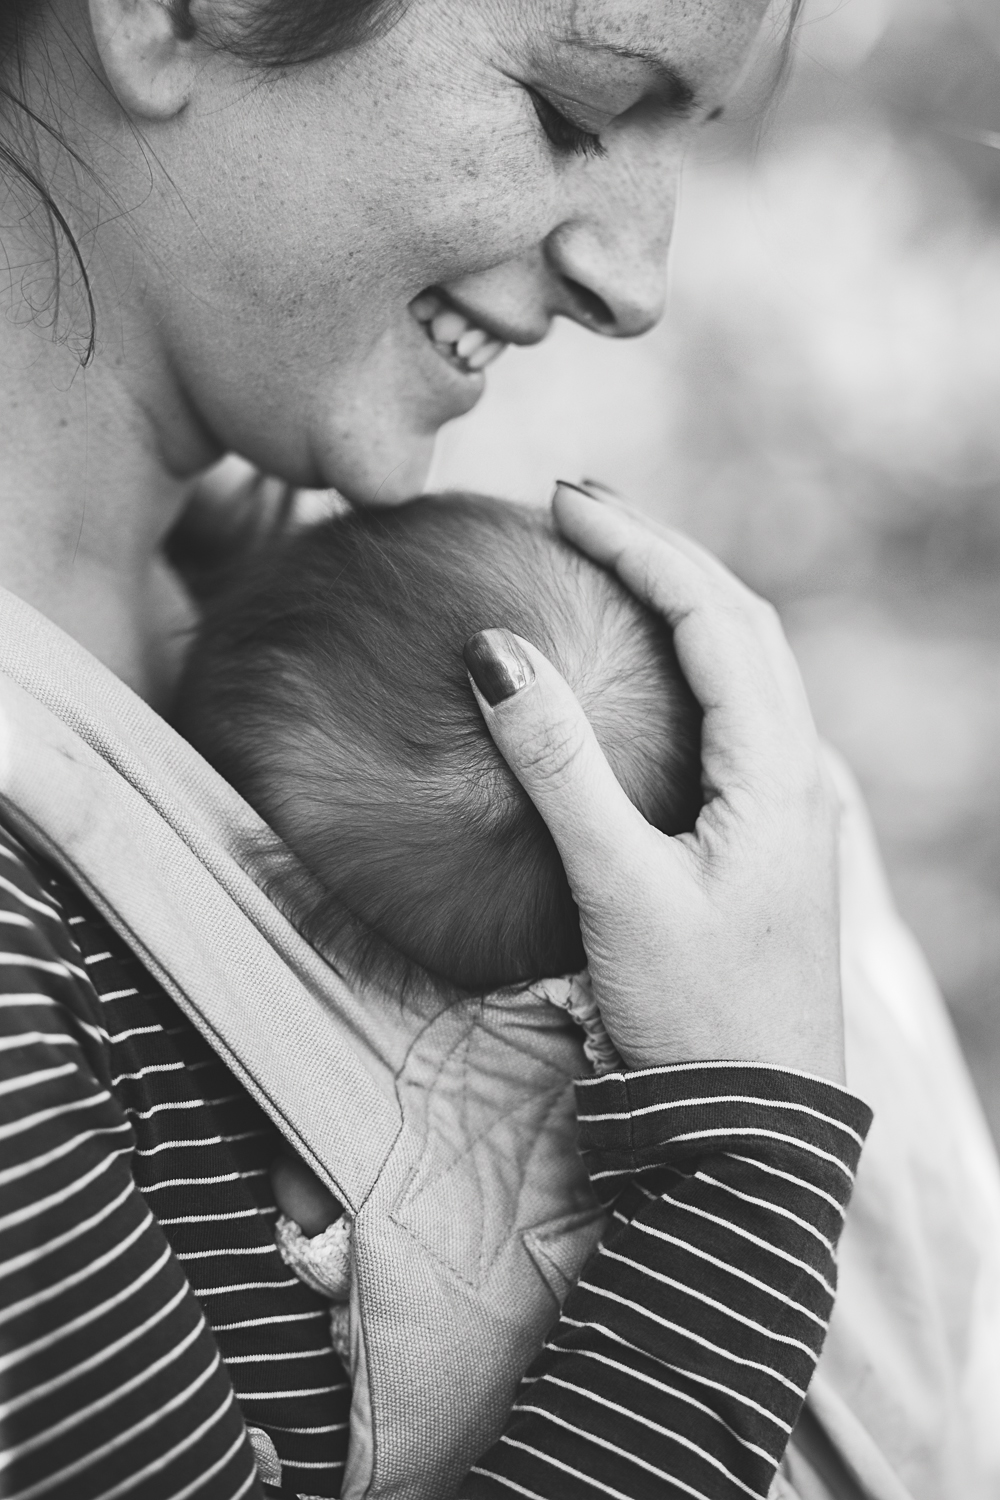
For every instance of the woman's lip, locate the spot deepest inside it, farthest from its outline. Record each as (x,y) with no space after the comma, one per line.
(462,343)
(456,389)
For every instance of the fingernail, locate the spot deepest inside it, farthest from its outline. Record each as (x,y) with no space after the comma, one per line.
(599,490)
(497,665)
(567,484)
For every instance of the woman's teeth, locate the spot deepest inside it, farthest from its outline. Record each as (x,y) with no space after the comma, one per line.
(460,342)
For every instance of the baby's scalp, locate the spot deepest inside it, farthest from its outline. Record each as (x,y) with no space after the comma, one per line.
(328,686)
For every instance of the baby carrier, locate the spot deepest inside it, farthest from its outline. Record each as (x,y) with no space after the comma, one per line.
(448,1131)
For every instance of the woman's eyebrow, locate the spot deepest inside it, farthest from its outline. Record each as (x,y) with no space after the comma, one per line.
(678,92)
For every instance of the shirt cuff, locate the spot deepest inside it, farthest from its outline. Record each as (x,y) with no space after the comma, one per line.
(675,1115)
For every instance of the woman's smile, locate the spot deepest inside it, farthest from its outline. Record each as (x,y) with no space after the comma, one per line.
(508,164)
(463,344)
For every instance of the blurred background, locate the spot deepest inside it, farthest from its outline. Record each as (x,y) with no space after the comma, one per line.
(822,407)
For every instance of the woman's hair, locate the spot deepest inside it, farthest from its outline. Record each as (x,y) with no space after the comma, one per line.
(269,34)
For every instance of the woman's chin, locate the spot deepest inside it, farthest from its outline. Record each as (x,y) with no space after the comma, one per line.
(379,474)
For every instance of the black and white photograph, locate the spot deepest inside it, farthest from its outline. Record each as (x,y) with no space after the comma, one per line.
(499,749)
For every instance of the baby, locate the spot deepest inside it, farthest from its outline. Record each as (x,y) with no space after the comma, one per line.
(328,686)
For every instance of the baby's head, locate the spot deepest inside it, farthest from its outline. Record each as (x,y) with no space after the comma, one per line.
(328,687)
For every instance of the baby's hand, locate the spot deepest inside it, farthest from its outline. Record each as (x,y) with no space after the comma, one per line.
(301,1196)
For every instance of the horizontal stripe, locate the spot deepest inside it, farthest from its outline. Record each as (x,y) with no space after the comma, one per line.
(249,1397)
(216,1468)
(666,1071)
(245,1286)
(174,1067)
(19,1083)
(508,1483)
(54,1112)
(309,1431)
(688,1274)
(765,1203)
(83,1273)
(64,1148)
(298,1463)
(713,1302)
(44,965)
(588,1479)
(728,1391)
(620,1452)
(44,908)
(769,1371)
(176,1182)
(769,1135)
(35,1039)
(770,1170)
(94,1361)
(755,1239)
(302,1317)
(116,1038)
(37,1253)
(225,1250)
(256,1359)
(26,1351)
(237,1213)
(715,1100)
(84,1413)
(158,1465)
(668,1390)
(53,1200)
(729,1269)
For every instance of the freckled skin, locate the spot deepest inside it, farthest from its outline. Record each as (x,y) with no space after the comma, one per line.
(254,252)
(343,188)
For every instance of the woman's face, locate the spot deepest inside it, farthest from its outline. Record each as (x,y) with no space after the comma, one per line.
(331,234)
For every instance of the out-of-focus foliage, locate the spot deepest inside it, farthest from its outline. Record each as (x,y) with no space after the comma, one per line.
(822,405)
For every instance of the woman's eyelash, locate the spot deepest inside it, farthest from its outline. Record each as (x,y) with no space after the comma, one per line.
(562,132)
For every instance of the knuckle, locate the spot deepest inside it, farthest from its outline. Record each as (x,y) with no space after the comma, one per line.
(553,755)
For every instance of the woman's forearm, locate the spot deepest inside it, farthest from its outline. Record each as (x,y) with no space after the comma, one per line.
(681,1361)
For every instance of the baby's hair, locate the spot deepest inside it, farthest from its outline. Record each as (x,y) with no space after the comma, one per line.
(328,686)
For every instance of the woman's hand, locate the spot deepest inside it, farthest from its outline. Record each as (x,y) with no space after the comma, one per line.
(718,944)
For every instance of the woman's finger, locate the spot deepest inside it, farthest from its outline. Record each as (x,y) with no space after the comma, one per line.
(728,639)
(650,558)
(544,736)
(618,538)
(595,489)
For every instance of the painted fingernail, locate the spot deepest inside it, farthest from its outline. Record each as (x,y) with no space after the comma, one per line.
(497,665)
(567,484)
(599,490)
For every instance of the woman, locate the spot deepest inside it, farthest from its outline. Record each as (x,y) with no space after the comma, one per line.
(301,232)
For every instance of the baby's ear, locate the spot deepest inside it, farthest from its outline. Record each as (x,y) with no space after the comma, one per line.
(148,52)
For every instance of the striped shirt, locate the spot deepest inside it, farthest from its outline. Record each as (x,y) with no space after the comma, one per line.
(146,1319)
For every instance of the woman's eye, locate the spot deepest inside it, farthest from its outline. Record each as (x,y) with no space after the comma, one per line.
(562,132)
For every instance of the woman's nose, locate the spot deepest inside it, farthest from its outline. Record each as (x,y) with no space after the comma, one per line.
(607,260)
(603,288)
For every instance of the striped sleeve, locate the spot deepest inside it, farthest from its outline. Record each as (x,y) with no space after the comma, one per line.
(681,1360)
(111,1384)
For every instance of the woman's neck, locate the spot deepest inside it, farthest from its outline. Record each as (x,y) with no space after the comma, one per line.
(86,498)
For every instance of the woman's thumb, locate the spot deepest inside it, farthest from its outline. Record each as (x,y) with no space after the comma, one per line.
(544,736)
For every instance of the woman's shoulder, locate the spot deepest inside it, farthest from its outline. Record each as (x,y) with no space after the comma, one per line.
(39,959)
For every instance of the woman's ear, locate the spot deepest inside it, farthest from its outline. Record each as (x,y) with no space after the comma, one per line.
(147,50)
